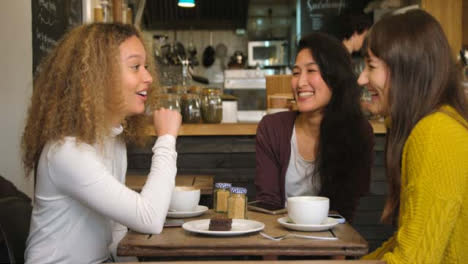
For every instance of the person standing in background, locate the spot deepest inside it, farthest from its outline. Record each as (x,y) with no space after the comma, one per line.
(351,30)
(326,147)
(88,101)
(415,84)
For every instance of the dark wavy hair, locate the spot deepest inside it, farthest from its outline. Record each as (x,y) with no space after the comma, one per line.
(345,143)
(423,76)
(348,23)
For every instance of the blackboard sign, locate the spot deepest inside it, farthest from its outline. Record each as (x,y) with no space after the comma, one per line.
(50,20)
(318,15)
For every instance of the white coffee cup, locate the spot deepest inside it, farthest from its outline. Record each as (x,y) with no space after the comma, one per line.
(308,210)
(184,199)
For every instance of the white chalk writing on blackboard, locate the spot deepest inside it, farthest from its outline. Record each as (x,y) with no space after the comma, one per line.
(51,19)
(46,43)
(319,12)
(50,6)
(316,5)
(46,20)
(74,17)
(75,8)
(46,12)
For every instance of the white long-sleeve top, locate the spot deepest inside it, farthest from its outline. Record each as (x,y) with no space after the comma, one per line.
(80,191)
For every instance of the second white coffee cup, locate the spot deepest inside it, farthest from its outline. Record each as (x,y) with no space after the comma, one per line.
(184,199)
(308,210)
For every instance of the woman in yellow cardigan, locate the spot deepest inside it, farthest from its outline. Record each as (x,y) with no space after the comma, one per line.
(414,82)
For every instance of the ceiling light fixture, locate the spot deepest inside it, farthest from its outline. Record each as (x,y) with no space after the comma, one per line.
(186,3)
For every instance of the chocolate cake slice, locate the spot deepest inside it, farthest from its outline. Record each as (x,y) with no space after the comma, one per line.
(218,223)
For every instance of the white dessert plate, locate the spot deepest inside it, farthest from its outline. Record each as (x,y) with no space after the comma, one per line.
(198,211)
(329,223)
(239,227)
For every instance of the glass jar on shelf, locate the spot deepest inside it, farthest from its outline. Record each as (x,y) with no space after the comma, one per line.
(98,14)
(195,89)
(212,105)
(220,197)
(106,11)
(176,89)
(190,108)
(237,203)
(186,77)
(168,101)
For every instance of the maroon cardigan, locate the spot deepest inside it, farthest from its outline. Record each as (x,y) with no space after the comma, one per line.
(273,151)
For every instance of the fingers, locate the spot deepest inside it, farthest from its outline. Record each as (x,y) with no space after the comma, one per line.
(166,121)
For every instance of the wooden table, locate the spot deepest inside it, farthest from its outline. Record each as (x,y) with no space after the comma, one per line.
(202,182)
(178,242)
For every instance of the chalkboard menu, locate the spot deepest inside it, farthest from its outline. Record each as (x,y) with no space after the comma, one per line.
(50,20)
(318,15)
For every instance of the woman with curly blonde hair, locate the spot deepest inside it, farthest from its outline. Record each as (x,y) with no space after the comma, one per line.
(88,100)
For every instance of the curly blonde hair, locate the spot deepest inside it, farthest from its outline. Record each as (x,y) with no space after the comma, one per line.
(77,91)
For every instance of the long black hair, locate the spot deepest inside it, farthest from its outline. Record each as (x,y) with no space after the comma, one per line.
(346,140)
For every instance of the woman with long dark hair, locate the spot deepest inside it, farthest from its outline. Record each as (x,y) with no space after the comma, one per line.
(415,83)
(324,148)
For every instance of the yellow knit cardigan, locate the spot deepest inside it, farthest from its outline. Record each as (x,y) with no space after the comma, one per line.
(433,216)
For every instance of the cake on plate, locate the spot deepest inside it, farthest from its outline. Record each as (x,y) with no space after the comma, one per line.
(220,223)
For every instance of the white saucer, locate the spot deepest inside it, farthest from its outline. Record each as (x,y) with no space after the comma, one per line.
(329,223)
(239,227)
(198,211)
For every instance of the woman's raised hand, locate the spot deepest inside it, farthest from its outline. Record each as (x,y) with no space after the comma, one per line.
(166,121)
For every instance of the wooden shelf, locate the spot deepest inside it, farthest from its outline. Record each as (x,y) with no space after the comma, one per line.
(226,129)
(238,129)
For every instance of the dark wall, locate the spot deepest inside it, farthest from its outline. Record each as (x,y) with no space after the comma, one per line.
(232,159)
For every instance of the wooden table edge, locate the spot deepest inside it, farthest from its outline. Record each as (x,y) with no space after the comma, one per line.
(142,251)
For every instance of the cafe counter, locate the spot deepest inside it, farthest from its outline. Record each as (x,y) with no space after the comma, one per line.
(240,129)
